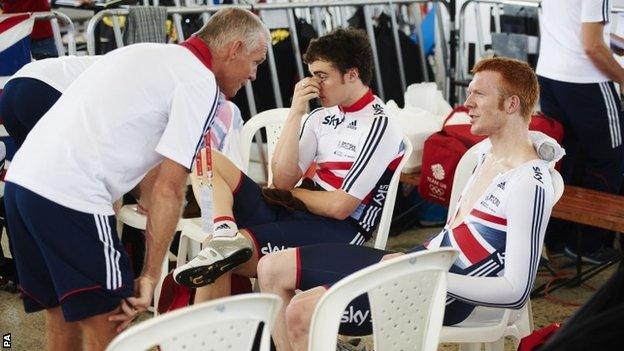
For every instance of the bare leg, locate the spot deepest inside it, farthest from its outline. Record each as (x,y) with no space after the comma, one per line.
(226,178)
(98,331)
(62,335)
(223,200)
(299,316)
(222,286)
(277,274)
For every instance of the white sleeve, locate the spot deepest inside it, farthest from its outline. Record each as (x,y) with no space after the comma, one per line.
(231,145)
(595,11)
(308,142)
(381,146)
(191,114)
(527,212)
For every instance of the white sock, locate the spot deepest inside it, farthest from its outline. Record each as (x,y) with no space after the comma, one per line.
(225,226)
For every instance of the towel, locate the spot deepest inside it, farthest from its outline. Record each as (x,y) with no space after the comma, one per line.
(146,24)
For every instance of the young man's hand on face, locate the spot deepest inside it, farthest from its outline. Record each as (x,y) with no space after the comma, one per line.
(305,90)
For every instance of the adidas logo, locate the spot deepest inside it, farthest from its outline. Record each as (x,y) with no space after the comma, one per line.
(352,125)
(501,185)
(223,226)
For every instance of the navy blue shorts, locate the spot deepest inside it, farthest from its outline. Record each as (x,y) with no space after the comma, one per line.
(591,114)
(274,228)
(64,257)
(22,104)
(324,265)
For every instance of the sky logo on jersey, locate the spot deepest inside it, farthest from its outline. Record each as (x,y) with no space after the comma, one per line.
(351,315)
(378,110)
(352,125)
(333,120)
(265,250)
(538,174)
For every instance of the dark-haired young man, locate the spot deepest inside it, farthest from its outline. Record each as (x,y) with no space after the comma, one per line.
(355,146)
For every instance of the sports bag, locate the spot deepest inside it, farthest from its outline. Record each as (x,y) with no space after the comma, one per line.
(443,150)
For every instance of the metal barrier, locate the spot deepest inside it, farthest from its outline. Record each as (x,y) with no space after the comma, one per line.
(315,8)
(53,17)
(311,11)
(461,71)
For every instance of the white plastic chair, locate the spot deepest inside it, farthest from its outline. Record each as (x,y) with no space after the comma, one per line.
(225,324)
(487,325)
(192,238)
(128,215)
(273,121)
(407,297)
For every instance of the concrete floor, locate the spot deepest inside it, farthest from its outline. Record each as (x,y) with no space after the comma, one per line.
(27,330)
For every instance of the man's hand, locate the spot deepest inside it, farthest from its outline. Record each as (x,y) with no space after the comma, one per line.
(307,89)
(133,306)
(391,256)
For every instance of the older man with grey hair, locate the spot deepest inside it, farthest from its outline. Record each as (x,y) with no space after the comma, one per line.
(137,107)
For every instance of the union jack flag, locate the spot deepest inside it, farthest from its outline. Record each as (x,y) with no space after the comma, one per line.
(14,44)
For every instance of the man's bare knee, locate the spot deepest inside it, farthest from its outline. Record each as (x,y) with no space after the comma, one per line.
(276,271)
(225,169)
(268,273)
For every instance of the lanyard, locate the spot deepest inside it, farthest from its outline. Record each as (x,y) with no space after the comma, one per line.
(204,161)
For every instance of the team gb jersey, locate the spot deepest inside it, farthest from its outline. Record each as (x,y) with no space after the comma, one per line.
(356,149)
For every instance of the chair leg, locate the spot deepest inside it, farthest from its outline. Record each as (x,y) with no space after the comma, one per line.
(525,322)
(498,345)
(470,347)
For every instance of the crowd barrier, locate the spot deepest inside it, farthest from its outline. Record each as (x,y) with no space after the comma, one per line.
(54,17)
(311,10)
(461,74)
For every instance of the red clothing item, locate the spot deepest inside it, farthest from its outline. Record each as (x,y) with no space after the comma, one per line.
(41,29)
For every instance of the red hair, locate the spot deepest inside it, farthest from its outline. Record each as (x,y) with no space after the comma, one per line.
(517,78)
